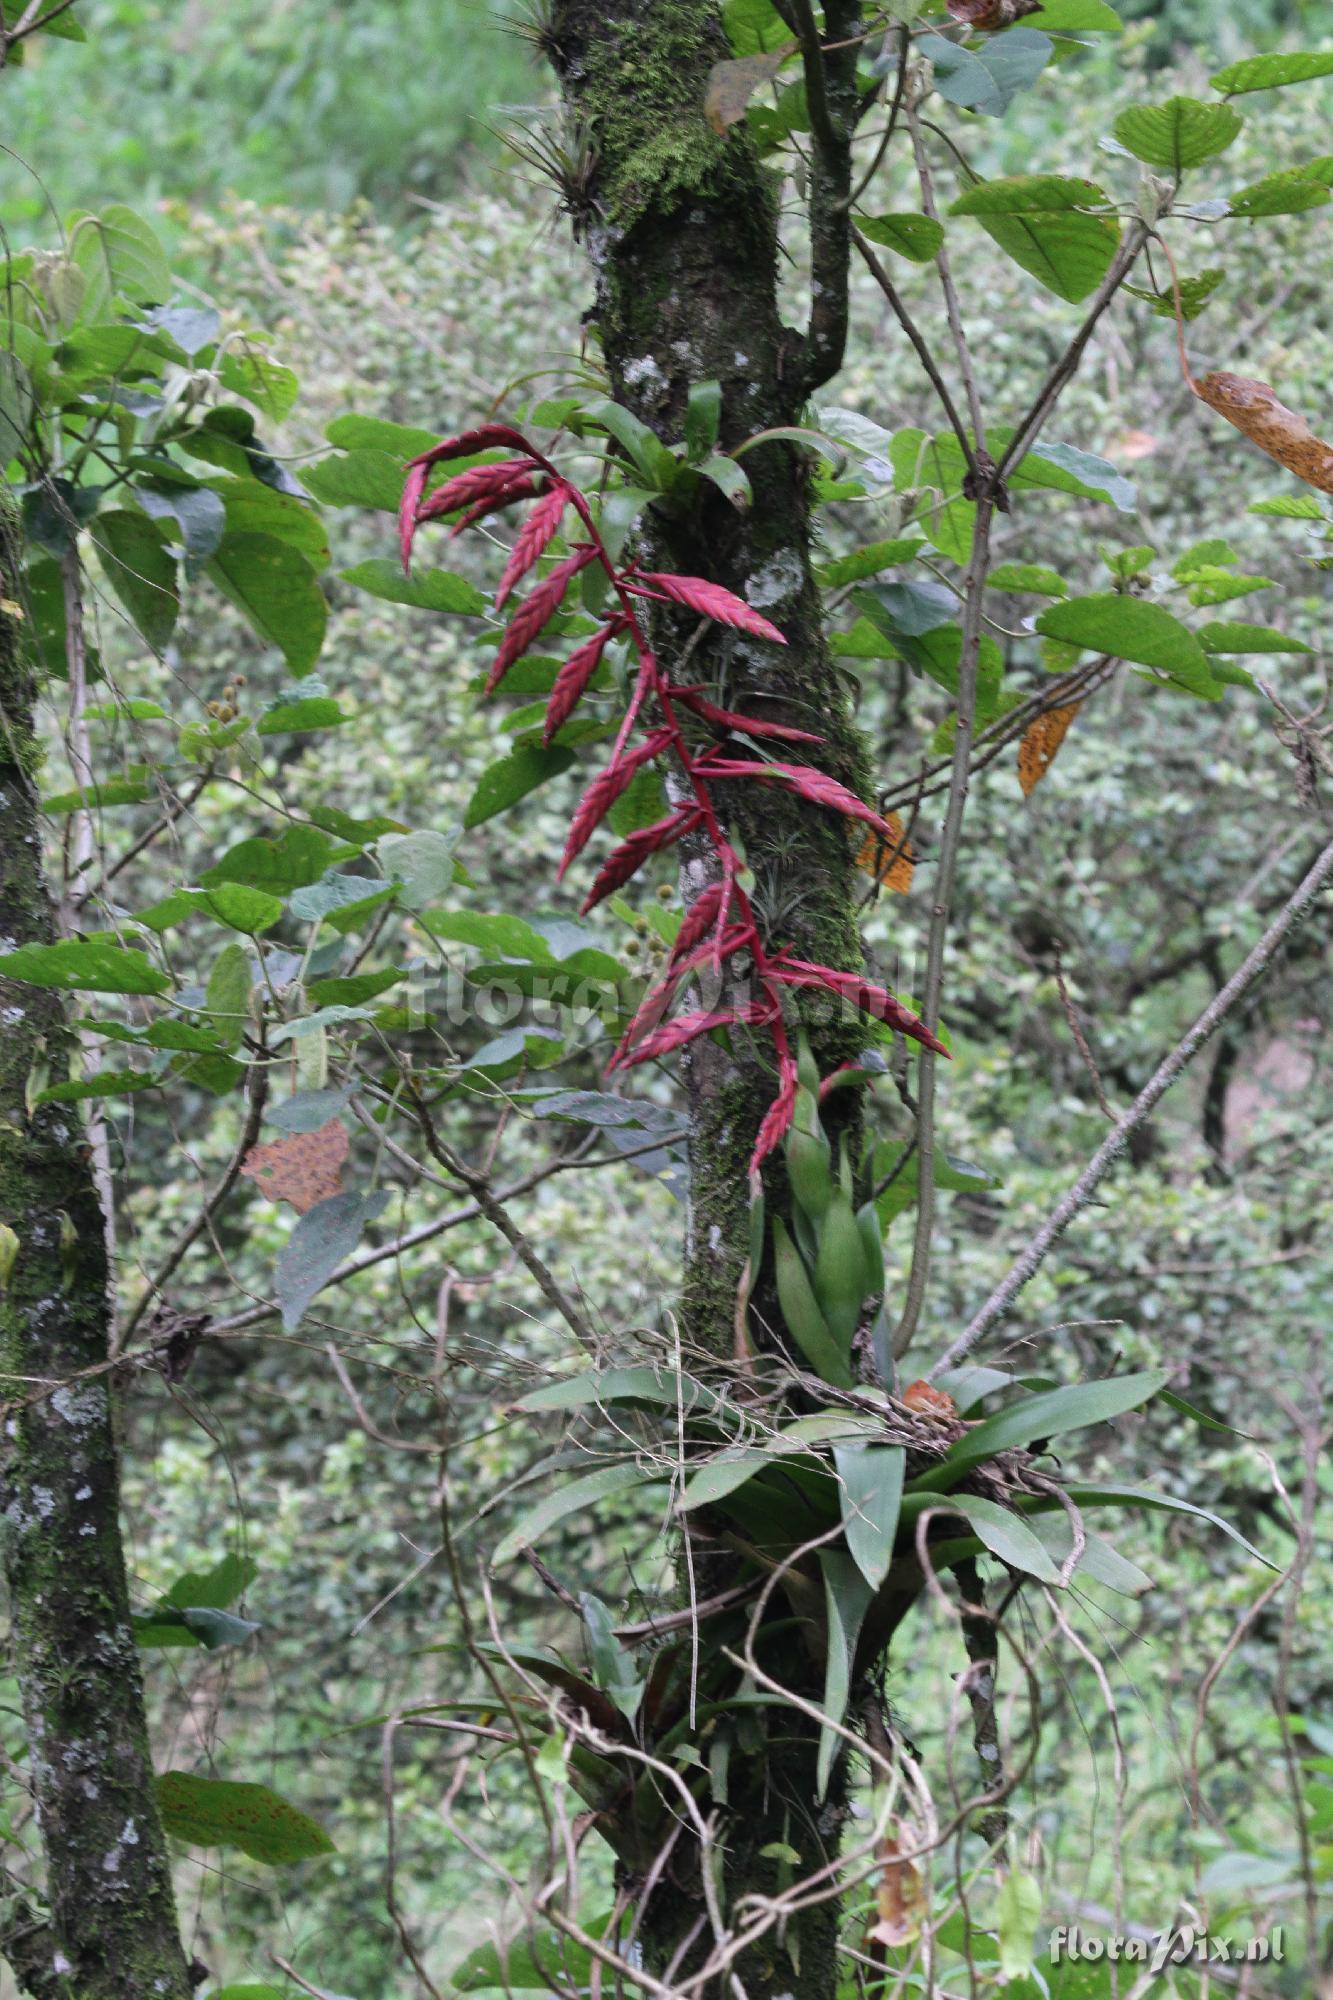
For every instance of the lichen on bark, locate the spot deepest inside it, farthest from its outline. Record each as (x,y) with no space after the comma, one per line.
(110,1931)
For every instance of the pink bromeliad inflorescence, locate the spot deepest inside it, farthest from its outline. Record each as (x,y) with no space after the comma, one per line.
(721,922)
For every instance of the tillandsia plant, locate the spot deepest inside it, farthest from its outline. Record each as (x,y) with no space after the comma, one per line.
(721,927)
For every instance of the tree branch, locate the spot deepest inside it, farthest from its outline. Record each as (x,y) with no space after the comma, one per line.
(1247,975)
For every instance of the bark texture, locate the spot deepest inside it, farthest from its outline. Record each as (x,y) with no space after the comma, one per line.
(110,1930)
(681,228)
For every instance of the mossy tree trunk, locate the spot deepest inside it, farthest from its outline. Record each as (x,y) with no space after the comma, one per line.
(109,1932)
(681,227)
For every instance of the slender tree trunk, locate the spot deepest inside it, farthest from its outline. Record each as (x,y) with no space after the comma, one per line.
(109,1932)
(681,228)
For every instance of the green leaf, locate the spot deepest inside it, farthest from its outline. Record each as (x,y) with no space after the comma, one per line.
(916,237)
(198,512)
(503,783)
(308,1110)
(871,560)
(1269,72)
(299,856)
(1129,628)
(1063,468)
(846,1600)
(192,1625)
(242,908)
(1031,578)
(703,419)
(251,508)
(355,990)
(1228,637)
(322,1238)
(400,441)
(1044,1415)
(97,798)
(1290,507)
(870,1484)
(313,711)
(276,589)
(613,1668)
(988,78)
(1181,133)
(140,571)
(728,477)
(422,863)
(247,371)
(84,965)
(1288,193)
(1211,584)
(1195,293)
(1017,1915)
(1136,1496)
(426,590)
(1099,1562)
(356,479)
(215,1812)
(227,996)
(1042,222)
(723,1475)
(604,1484)
(215,1588)
(801,1315)
(601,1387)
(120,258)
(106,1083)
(1075,17)
(754,27)
(1006,1535)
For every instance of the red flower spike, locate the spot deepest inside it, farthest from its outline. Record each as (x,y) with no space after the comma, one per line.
(413,488)
(488,437)
(533,613)
(631,854)
(603,792)
(710,600)
(699,919)
(777,1119)
(534,537)
(521,489)
(688,1028)
(655,1003)
(807,783)
(729,718)
(479,482)
(871,999)
(574,676)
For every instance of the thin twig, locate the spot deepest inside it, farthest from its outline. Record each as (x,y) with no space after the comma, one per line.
(1253,968)
(914,334)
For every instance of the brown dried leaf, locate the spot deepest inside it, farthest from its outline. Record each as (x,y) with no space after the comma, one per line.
(928,1402)
(732,84)
(1253,408)
(1041,740)
(897,1898)
(303,1169)
(890,863)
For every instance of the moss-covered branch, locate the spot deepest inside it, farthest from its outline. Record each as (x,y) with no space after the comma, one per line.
(110,1933)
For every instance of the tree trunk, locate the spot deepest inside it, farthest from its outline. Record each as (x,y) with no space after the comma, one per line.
(110,1932)
(681,227)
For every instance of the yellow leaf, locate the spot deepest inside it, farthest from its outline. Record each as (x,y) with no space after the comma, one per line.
(890,865)
(731,85)
(897,1898)
(1041,740)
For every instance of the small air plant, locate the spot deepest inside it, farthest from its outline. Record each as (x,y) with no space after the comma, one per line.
(562,151)
(721,926)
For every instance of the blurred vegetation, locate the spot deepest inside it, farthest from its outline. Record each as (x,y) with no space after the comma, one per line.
(1140,867)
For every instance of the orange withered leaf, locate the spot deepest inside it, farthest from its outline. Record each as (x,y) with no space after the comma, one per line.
(891,862)
(897,1898)
(1041,740)
(1254,408)
(304,1168)
(928,1402)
